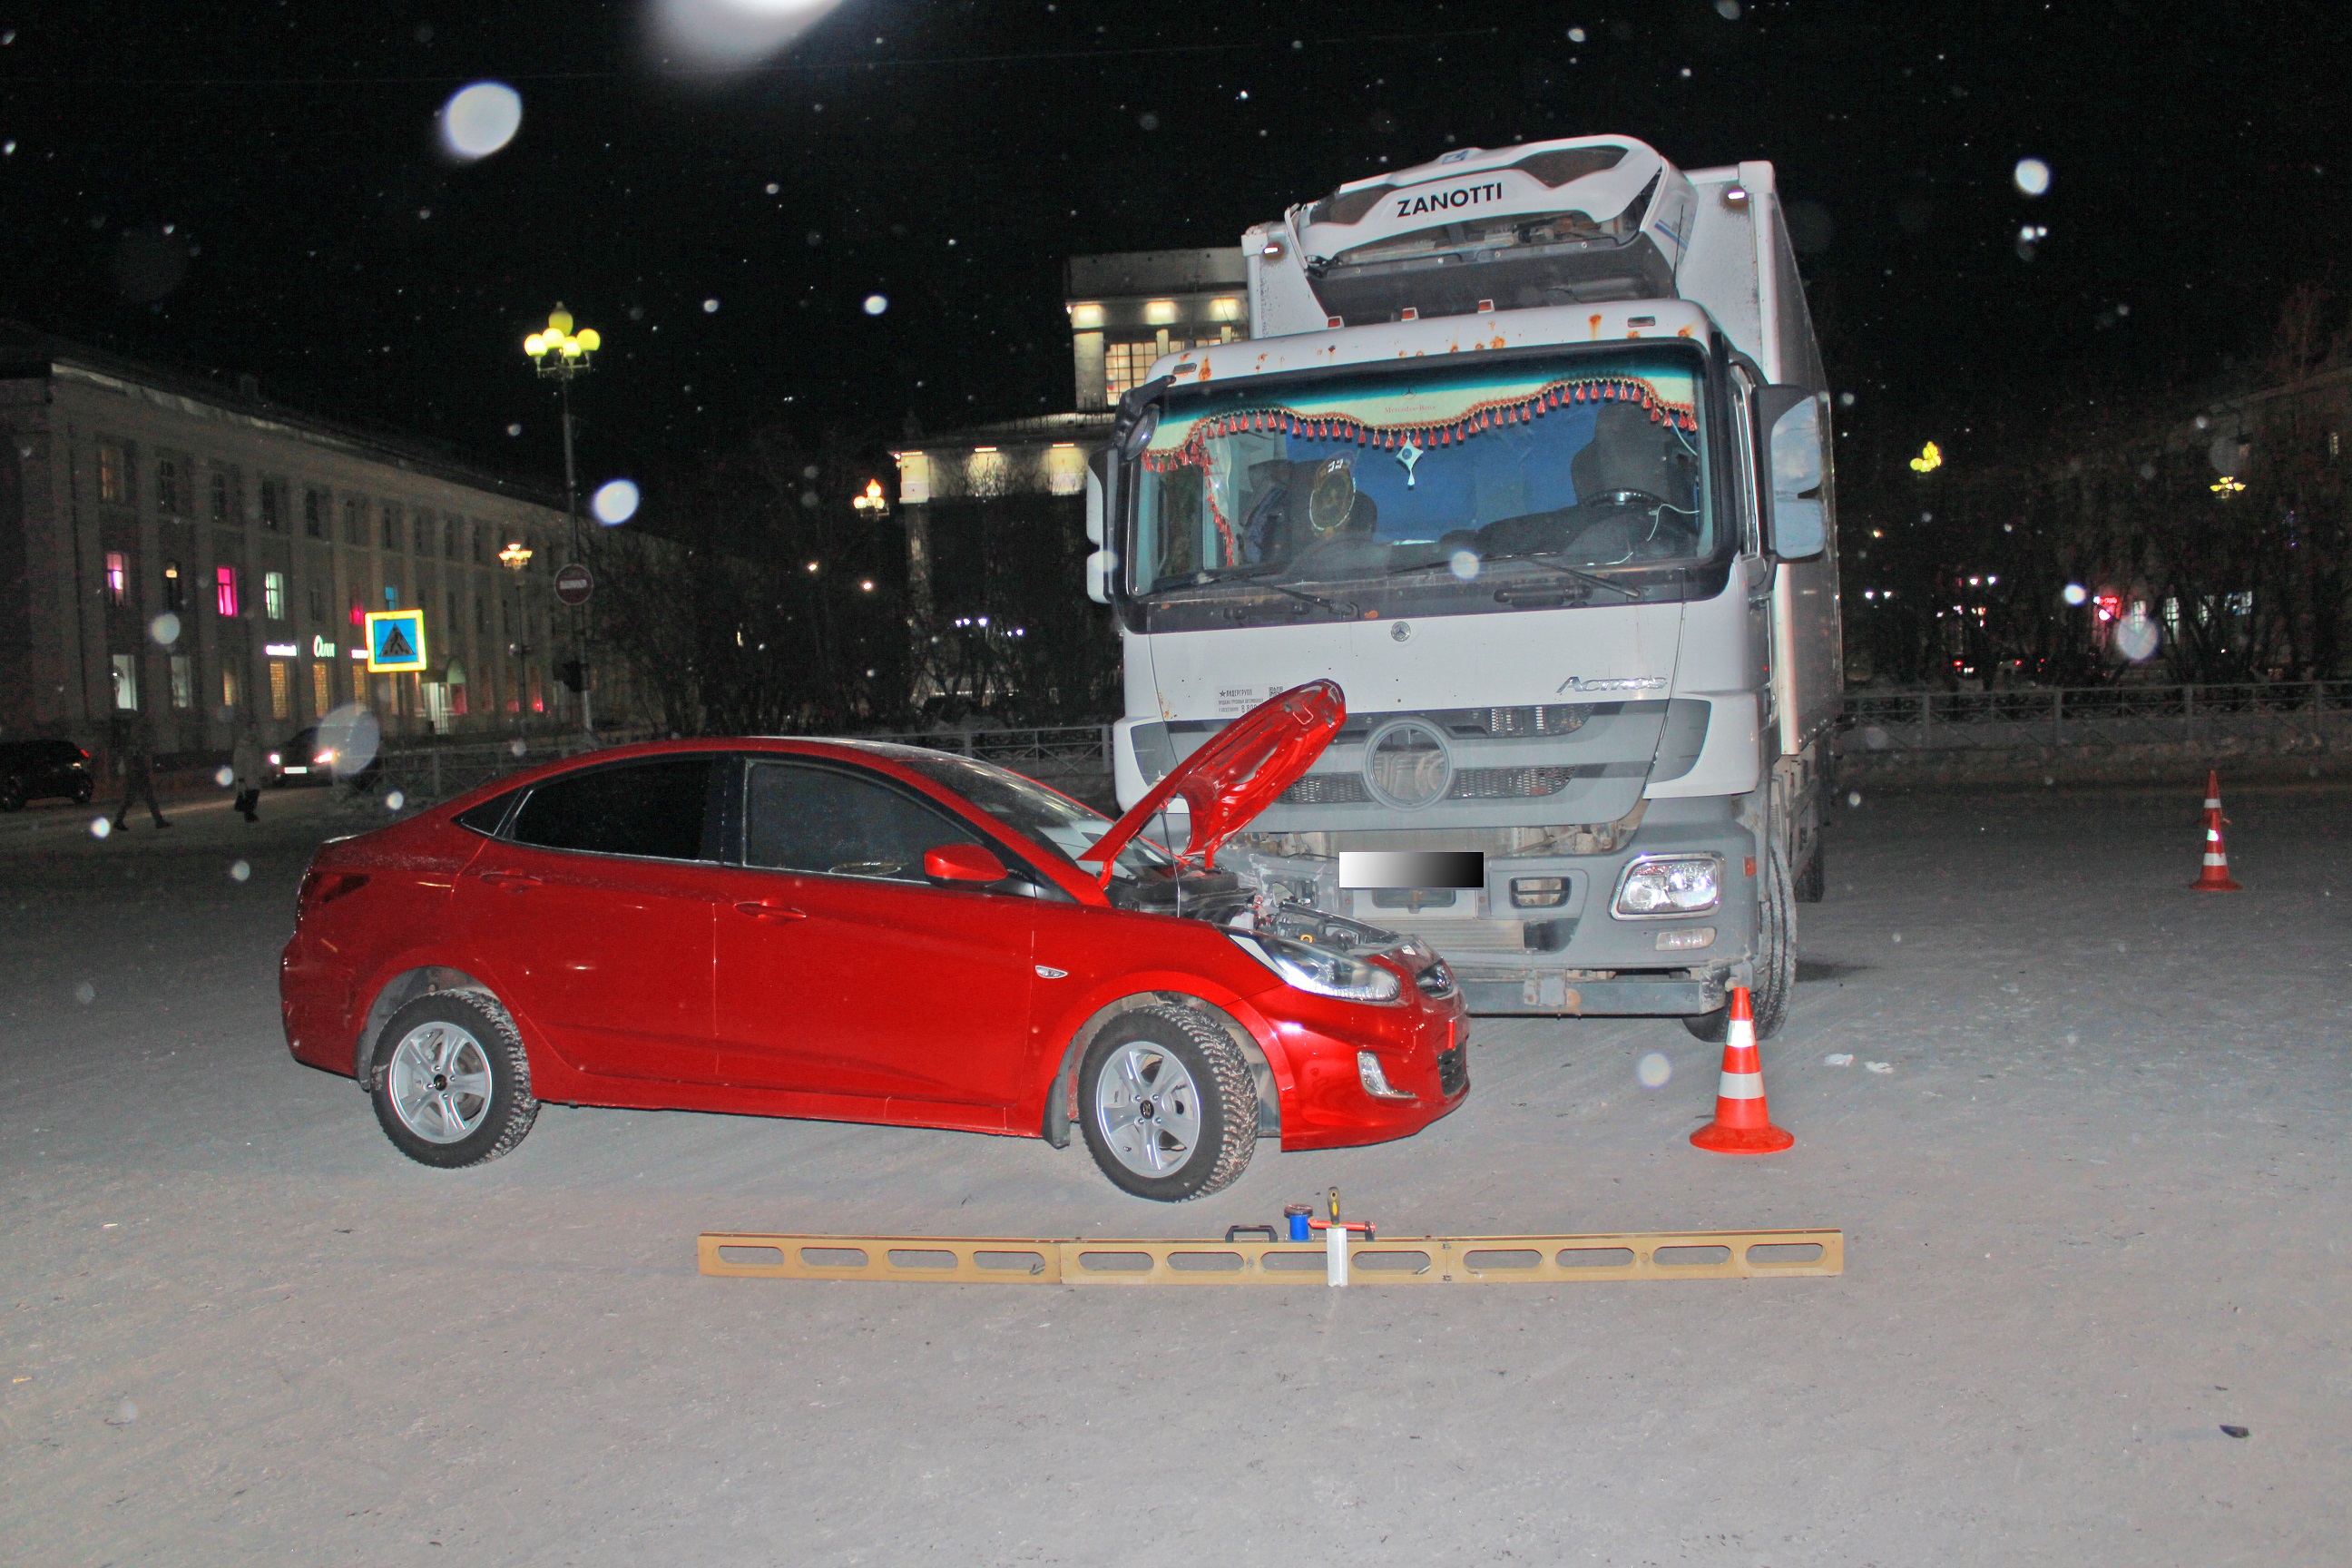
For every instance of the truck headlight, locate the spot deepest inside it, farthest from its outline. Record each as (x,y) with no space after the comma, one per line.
(1657,886)
(1321,970)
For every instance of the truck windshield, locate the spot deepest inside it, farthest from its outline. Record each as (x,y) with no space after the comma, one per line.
(1434,489)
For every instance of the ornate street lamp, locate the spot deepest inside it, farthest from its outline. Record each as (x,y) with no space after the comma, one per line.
(872,503)
(560,354)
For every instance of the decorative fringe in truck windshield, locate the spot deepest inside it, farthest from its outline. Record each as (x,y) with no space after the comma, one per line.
(1192,451)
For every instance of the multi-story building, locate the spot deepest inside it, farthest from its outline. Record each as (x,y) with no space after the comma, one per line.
(192,552)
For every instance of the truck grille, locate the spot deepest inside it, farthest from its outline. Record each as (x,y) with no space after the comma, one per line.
(1469,784)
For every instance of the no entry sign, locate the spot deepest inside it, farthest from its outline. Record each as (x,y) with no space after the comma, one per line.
(574,585)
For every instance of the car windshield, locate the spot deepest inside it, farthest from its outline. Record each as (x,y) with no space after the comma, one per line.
(1442,490)
(1030,809)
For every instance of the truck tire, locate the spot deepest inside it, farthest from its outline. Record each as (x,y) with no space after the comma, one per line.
(1168,1104)
(1813,880)
(1776,959)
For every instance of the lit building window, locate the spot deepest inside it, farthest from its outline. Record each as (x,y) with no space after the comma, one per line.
(118,577)
(126,680)
(273,597)
(322,687)
(183,682)
(224,590)
(229,693)
(281,688)
(113,474)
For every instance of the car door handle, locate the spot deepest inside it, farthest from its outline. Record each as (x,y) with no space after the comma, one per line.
(761,911)
(517,880)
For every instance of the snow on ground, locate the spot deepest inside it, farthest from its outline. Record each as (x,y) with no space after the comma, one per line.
(2094,1211)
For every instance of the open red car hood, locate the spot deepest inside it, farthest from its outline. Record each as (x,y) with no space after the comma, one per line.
(1237,775)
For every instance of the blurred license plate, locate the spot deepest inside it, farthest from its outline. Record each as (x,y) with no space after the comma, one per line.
(294,770)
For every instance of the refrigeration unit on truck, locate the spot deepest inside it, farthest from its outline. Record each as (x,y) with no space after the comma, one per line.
(1528,450)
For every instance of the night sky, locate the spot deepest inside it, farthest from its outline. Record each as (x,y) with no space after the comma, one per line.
(257,186)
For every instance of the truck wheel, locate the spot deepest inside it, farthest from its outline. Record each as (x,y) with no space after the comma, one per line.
(1168,1105)
(450,1081)
(1813,880)
(1776,959)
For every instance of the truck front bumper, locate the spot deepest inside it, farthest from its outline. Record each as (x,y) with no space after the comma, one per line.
(1552,994)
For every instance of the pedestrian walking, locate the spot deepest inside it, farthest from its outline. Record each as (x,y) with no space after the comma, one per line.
(245,757)
(135,742)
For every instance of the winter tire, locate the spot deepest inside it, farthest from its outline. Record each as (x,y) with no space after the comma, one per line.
(1813,880)
(1776,959)
(450,1082)
(11,795)
(83,792)
(1166,1104)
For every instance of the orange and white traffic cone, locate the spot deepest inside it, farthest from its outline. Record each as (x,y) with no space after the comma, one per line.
(1743,1123)
(2215,877)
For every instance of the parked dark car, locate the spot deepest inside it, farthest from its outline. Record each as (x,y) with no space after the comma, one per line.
(303,758)
(37,770)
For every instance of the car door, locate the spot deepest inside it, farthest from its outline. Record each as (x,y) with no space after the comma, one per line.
(842,970)
(594,911)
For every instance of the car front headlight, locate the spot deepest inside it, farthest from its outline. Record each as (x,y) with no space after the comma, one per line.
(1322,971)
(1656,885)
(273,759)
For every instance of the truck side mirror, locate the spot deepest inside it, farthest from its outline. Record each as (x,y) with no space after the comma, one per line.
(1102,481)
(1102,566)
(1098,494)
(1797,450)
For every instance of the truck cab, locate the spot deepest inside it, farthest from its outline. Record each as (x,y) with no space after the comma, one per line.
(1527,450)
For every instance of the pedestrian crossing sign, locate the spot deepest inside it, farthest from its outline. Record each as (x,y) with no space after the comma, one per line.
(396,641)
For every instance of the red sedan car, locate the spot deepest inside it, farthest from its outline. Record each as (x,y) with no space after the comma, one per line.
(866,933)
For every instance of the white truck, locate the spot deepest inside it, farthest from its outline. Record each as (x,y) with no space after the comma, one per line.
(1528,450)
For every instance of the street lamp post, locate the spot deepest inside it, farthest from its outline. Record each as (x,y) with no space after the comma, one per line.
(562,353)
(514,558)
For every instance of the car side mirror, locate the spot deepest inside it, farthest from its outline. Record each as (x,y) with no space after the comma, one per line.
(1797,509)
(963,863)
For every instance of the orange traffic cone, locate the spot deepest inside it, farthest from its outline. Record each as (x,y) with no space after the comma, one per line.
(2215,877)
(1742,1125)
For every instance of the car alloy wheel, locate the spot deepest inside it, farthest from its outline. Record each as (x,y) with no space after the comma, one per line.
(1148,1108)
(451,1081)
(1168,1103)
(440,1082)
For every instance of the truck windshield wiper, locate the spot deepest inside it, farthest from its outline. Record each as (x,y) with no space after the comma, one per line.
(1258,580)
(1348,609)
(1589,580)
(1536,557)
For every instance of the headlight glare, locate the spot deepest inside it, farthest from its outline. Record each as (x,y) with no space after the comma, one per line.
(1661,886)
(1322,971)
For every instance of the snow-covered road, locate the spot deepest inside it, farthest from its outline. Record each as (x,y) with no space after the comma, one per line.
(2096,1209)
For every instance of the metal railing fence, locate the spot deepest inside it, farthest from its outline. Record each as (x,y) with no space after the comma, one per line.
(2080,716)
(438,772)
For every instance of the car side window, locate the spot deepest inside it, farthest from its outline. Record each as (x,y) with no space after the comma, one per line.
(844,823)
(653,808)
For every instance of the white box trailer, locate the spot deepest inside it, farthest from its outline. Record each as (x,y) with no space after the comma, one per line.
(1529,449)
